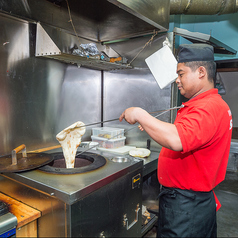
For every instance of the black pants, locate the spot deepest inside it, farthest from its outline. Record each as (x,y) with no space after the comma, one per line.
(184,213)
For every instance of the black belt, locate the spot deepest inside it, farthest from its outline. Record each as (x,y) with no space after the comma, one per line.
(186,193)
(173,191)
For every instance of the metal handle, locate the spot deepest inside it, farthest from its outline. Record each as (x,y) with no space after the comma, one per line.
(148,144)
(125,221)
(15,151)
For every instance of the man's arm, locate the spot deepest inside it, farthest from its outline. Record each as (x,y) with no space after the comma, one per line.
(164,133)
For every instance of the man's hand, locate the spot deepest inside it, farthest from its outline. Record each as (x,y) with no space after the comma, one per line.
(141,128)
(130,115)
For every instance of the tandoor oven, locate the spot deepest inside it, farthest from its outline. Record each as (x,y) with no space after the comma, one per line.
(101,197)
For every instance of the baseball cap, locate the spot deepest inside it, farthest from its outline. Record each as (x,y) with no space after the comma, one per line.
(195,52)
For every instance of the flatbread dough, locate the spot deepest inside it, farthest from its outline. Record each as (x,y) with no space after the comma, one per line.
(70,139)
(140,152)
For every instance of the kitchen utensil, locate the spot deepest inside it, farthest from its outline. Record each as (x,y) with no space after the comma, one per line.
(163,111)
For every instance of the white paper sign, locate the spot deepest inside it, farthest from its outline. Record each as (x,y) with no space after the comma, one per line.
(163,66)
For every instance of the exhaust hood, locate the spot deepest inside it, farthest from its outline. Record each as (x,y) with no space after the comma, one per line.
(95,20)
(197,37)
(154,12)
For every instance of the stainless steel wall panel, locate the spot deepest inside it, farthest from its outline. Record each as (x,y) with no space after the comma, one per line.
(29,89)
(80,99)
(40,97)
(134,88)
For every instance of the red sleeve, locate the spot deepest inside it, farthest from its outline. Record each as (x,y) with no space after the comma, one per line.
(195,129)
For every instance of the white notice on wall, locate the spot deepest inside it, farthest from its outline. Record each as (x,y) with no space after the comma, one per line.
(163,66)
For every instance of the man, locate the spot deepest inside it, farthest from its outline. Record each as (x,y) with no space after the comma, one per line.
(195,150)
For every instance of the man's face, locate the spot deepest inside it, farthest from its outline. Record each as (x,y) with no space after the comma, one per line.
(187,81)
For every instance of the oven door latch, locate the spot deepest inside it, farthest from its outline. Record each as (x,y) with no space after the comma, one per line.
(125,219)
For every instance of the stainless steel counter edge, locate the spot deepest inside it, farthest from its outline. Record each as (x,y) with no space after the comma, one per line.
(150,163)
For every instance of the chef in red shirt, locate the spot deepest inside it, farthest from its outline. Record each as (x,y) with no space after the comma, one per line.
(195,150)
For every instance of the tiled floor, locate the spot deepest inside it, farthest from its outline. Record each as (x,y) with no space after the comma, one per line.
(227,215)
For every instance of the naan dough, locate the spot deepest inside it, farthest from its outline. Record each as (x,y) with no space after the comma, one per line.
(70,139)
(140,152)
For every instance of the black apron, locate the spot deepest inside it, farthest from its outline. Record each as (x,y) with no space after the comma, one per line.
(185,213)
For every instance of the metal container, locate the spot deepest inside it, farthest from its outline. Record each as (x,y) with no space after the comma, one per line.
(8,221)
(105,202)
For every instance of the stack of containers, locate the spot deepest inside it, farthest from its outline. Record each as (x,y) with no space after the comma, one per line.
(108,137)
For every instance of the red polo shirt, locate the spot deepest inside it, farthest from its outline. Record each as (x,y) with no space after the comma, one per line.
(204,126)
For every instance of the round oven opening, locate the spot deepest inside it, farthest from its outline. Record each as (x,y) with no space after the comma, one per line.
(85,162)
(79,162)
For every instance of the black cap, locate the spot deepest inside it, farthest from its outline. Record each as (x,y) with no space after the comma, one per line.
(195,52)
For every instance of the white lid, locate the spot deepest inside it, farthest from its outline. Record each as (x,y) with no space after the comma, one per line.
(107,128)
(106,139)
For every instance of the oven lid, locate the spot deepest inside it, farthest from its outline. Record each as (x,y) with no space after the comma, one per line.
(19,162)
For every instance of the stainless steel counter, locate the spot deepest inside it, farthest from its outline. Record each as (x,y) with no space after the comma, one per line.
(150,163)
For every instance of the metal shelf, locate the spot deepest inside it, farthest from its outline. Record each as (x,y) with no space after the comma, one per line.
(86,62)
(57,44)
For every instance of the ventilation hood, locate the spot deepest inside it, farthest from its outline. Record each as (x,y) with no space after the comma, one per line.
(154,12)
(197,37)
(95,20)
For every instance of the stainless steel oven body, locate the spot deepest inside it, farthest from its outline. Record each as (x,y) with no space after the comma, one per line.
(104,202)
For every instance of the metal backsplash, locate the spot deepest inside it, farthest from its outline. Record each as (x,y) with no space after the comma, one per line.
(39,97)
(29,88)
(134,88)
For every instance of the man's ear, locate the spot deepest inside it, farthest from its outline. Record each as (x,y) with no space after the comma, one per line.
(202,71)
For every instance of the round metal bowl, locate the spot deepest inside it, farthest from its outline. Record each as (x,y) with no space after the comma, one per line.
(120,159)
